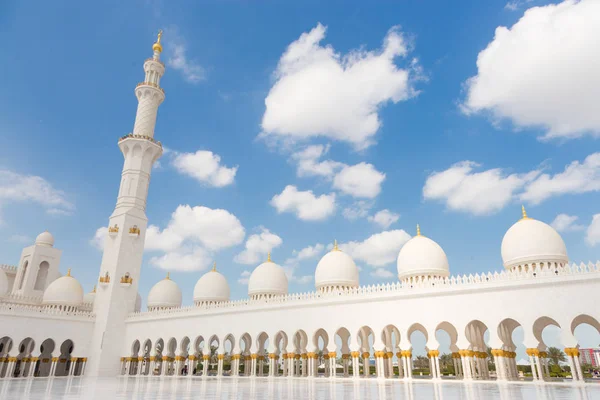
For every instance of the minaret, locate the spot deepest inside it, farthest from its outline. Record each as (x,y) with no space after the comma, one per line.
(124,245)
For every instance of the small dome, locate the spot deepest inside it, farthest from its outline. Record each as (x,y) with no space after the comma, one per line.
(336,269)
(64,291)
(211,287)
(421,256)
(3,284)
(45,239)
(531,241)
(89,298)
(165,294)
(268,279)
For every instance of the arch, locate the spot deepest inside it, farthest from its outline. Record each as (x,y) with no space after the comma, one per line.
(245,344)
(584,319)
(539,325)
(23,273)
(343,347)
(300,341)
(135,348)
(6,344)
(64,360)
(506,330)
(146,354)
(43,365)
(320,337)
(366,339)
(22,364)
(390,337)
(229,344)
(281,342)
(159,348)
(452,332)
(42,276)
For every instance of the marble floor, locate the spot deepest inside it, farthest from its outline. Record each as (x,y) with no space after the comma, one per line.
(281,388)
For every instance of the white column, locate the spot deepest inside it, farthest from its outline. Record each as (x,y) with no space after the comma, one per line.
(220,364)
(578,365)
(253,366)
(305,362)
(540,370)
(532,363)
(205,362)
(355,365)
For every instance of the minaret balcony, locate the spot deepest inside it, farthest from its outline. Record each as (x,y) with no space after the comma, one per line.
(104,280)
(132,136)
(134,231)
(113,231)
(126,280)
(151,84)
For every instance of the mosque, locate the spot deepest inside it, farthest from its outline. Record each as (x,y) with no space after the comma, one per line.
(49,327)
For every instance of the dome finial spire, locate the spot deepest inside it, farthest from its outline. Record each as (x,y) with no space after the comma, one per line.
(269,257)
(69,272)
(335,246)
(157,46)
(418,230)
(168,276)
(214,268)
(94,290)
(524,212)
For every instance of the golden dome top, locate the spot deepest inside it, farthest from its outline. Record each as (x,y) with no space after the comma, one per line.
(157,46)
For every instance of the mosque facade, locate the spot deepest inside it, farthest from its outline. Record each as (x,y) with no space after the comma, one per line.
(49,327)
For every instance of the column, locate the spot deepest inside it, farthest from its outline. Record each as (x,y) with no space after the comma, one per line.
(530,352)
(544,359)
(220,358)
(83,366)
(400,364)
(332,364)
(254,357)
(390,364)
(53,367)
(407,358)
(11,366)
(378,363)
(273,364)
(540,368)
(366,364)
(205,362)
(355,366)
(499,361)
(32,363)
(345,364)
(139,370)
(305,362)
(72,366)
(466,368)
(577,364)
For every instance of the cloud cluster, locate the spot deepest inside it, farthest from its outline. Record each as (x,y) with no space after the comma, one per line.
(205,167)
(384,218)
(566,223)
(19,188)
(320,92)
(480,193)
(379,249)
(257,247)
(543,71)
(592,235)
(176,50)
(304,204)
(191,238)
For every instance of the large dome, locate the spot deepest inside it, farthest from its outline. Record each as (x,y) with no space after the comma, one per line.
(421,257)
(531,241)
(64,291)
(3,284)
(45,239)
(165,294)
(268,279)
(336,270)
(211,287)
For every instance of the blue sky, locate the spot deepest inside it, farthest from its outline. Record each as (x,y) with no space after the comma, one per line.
(404,128)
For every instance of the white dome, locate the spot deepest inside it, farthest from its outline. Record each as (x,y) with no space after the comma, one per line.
(165,294)
(211,286)
(268,279)
(45,239)
(90,297)
(421,256)
(3,284)
(531,241)
(64,291)
(336,268)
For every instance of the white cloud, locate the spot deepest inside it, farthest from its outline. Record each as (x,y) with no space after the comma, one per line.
(205,166)
(543,71)
(18,188)
(99,237)
(176,49)
(478,193)
(190,239)
(514,5)
(309,164)
(592,235)
(382,273)
(379,249)
(576,178)
(304,204)
(360,180)
(384,218)
(244,277)
(358,209)
(319,92)
(566,223)
(257,247)
(306,253)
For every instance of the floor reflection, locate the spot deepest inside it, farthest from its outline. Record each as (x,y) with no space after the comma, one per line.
(264,388)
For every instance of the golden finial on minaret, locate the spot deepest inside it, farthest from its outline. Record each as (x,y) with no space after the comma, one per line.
(157,46)
(214,269)
(269,257)
(524,213)
(69,272)
(418,230)
(335,246)
(168,276)
(94,290)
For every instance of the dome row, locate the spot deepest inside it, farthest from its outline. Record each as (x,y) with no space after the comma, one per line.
(526,244)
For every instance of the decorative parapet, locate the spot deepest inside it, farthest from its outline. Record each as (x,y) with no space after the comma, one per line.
(20,299)
(27,310)
(8,268)
(385,290)
(154,85)
(132,136)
